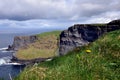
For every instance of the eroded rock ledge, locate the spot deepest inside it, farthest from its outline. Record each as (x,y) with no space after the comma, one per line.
(82,34)
(22,42)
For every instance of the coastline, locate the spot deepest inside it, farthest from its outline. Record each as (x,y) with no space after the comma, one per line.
(29,62)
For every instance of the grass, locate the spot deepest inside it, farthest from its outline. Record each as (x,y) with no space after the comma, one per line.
(102,63)
(46,46)
(56,33)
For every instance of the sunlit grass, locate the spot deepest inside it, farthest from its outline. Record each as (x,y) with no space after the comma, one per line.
(56,33)
(32,53)
(102,63)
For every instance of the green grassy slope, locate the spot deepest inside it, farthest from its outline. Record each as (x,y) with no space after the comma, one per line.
(56,33)
(102,63)
(44,47)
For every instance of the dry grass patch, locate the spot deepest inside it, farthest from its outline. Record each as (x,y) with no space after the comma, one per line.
(46,46)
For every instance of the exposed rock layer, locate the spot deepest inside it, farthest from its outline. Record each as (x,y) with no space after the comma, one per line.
(22,42)
(82,34)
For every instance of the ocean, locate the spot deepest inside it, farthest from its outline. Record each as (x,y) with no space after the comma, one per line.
(7,70)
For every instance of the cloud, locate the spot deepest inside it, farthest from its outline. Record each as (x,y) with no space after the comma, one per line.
(56,14)
(104,17)
(33,9)
(55,9)
(58,24)
(35,24)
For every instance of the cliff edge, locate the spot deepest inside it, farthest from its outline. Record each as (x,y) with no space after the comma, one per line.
(82,34)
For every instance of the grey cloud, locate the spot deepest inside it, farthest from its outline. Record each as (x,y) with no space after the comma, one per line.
(97,7)
(57,9)
(33,9)
(104,17)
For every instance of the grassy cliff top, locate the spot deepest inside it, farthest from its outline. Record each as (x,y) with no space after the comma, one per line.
(56,33)
(46,46)
(102,62)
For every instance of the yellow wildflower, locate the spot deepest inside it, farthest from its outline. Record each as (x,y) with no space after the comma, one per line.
(88,51)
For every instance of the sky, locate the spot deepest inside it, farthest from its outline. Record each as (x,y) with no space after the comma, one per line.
(56,14)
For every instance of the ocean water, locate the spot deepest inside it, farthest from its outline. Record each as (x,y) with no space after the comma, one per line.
(7,70)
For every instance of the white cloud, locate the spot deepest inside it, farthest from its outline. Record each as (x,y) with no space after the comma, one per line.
(104,17)
(35,24)
(56,13)
(55,9)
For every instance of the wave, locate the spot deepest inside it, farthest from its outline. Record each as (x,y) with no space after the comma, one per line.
(3,48)
(7,51)
(13,64)
(7,61)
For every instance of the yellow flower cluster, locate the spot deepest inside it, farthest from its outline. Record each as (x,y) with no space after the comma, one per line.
(88,51)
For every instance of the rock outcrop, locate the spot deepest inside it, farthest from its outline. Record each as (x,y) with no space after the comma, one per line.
(114,22)
(82,34)
(22,42)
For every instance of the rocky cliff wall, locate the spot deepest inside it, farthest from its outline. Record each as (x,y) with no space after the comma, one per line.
(22,42)
(82,34)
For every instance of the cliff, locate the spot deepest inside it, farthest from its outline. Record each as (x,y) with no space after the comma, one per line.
(22,42)
(45,45)
(37,48)
(82,34)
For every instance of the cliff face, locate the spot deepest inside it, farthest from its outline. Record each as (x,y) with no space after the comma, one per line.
(82,34)
(37,48)
(22,41)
